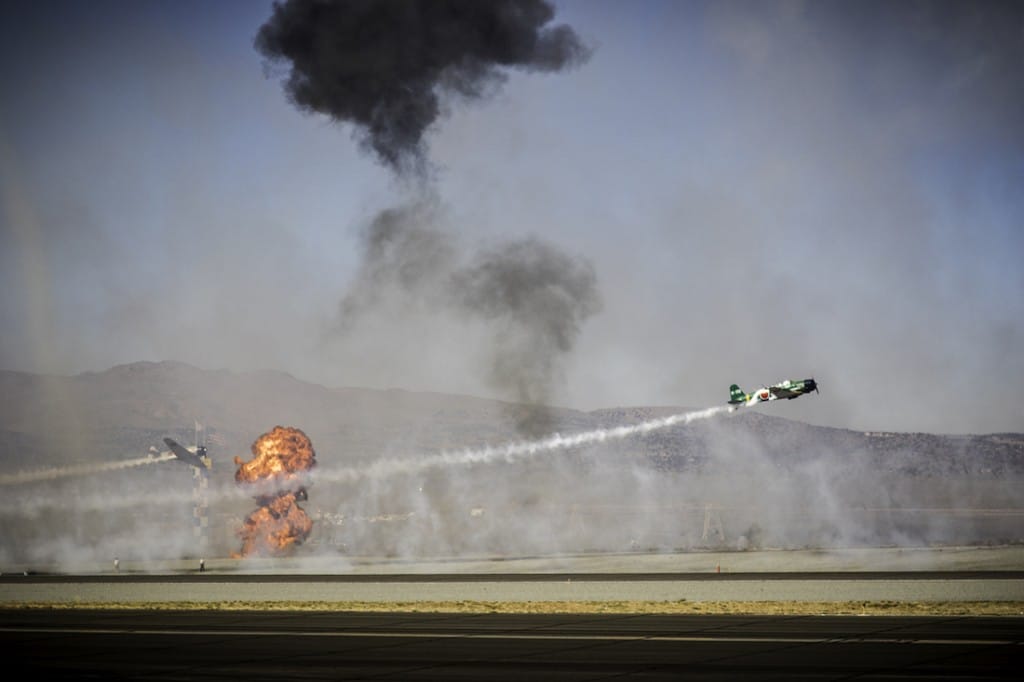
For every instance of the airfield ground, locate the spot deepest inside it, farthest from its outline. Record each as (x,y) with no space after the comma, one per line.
(919,581)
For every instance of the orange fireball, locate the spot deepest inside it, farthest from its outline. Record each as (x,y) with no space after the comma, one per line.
(279,455)
(279,458)
(275,528)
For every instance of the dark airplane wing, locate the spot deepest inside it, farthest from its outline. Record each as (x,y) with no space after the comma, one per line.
(183,454)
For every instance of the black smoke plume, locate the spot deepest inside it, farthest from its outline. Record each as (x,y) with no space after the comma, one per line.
(538,297)
(533,298)
(383,65)
(403,256)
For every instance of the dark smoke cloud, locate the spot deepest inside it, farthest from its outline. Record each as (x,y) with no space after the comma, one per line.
(539,297)
(402,255)
(382,64)
(385,67)
(532,297)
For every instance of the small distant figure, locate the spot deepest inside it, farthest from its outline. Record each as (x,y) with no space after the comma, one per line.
(117,565)
(202,565)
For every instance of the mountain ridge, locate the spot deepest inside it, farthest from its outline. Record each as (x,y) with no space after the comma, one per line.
(736,479)
(122,411)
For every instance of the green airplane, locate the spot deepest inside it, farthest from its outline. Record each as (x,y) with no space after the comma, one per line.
(787,390)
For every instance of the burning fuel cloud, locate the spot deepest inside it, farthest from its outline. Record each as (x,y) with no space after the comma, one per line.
(281,458)
(383,66)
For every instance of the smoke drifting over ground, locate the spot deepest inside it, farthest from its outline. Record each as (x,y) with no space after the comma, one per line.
(595,491)
(384,66)
(520,303)
(617,480)
(139,512)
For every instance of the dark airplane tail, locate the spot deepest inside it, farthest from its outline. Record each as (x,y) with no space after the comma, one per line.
(736,395)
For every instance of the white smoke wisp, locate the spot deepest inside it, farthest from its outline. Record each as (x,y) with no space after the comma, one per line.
(29,503)
(54,473)
(379,469)
(69,520)
(510,451)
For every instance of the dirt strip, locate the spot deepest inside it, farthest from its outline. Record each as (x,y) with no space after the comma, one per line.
(882,608)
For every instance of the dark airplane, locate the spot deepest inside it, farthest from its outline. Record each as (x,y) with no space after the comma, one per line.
(195,456)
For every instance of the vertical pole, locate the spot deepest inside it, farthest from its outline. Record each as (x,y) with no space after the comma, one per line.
(200,522)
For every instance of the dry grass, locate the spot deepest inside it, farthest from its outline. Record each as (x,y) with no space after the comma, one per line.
(861,608)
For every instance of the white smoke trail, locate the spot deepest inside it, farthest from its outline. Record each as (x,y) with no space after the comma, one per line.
(80,470)
(380,469)
(510,451)
(30,502)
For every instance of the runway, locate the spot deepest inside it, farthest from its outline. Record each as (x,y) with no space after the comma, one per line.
(214,645)
(880,575)
(296,620)
(143,589)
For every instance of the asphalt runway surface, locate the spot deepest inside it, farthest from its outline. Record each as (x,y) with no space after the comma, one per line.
(245,645)
(887,586)
(153,640)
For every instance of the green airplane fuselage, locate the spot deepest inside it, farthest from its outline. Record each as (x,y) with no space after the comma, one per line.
(785,390)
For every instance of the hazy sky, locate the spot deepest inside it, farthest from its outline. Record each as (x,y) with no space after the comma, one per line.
(764,190)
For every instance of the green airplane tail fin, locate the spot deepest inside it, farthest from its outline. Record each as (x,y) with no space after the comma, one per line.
(736,394)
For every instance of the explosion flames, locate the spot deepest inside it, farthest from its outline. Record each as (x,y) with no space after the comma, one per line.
(281,458)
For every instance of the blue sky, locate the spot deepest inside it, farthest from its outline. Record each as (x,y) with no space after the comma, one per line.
(765,190)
